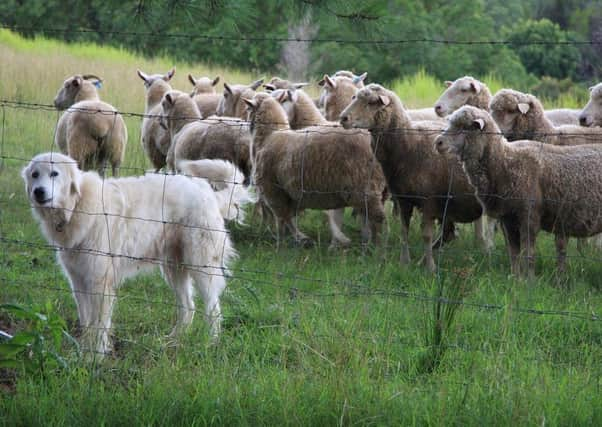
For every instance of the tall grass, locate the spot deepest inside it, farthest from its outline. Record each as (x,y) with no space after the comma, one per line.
(311,336)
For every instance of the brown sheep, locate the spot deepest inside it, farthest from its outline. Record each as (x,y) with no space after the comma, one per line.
(527,185)
(416,175)
(212,138)
(521,116)
(90,131)
(154,139)
(312,169)
(231,103)
(203,93)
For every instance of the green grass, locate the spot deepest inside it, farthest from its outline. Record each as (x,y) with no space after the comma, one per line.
(311,337)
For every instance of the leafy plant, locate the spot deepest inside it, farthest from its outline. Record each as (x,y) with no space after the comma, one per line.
(37,345)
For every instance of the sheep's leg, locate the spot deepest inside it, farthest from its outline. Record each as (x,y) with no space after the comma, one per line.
(448,233)
(528,233)
(299,237)
(427,237)
(335,221)
(561,242)
(405,215)
(512,237)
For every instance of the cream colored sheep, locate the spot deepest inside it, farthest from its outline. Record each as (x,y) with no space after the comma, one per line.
(311,169)
(463,91)
(90,131)
(203,93)
(521,116)
(416,175)
(231,103)
(527,185)
(202,84)
(154,139)
(591,115)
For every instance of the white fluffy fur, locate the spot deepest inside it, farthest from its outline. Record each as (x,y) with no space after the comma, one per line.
(109,230)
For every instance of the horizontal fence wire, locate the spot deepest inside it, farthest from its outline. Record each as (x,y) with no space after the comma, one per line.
(235,38)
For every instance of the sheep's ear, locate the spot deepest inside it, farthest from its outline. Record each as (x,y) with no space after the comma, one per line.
(523,107)
(215,81)
(169,98)
(591,88)
(384,99)
(191,79)
(448,83)
(479,124)
(251,105)
(475,86)
(77,82)
(292,95)
(360,78)
(227,87)
(167,77)
(328,81)
(299,85)
(256,84)
(142,75)
(269,87)
(321,82)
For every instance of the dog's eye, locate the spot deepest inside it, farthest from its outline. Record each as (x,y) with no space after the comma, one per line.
(35,174)
(53,174)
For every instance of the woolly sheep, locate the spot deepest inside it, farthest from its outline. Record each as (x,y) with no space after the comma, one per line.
(203,93)
(231,103)
(90,131)
(463,91)
(416,175)
(155,140)
(521,116)
(301,113)
(212,138)
(591,115)
(278,83)
(552,188)
(308,169)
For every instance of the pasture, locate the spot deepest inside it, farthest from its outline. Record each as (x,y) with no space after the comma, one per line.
(311,336)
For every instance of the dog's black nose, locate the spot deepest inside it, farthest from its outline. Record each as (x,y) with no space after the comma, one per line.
(39,193)
(583,120)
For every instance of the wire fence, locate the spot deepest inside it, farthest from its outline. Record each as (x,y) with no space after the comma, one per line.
(110,218)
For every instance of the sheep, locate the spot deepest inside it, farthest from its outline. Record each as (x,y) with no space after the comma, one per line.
(278,83)
(463,91)
(591,115)
(416,175)
(231,103)
(301,113)
(527,185)
(337,92)
(311,169)
(203,93)
(90,131)
(563,116)
(154,139)
(212,138)
(521,116)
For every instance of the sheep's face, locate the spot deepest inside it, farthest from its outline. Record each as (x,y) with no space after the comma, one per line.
(508,108)
(266,112)
(203,84)
(457,94)
(231,103)
(592,112)
(176,110)
(52,184)
(337,93)
(66,95)
(365,108)
(461,137)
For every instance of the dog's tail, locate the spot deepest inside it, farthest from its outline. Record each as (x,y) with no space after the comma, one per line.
(227,183)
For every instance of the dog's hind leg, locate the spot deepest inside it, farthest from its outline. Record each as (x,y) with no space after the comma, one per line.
(210,283)
(180,282)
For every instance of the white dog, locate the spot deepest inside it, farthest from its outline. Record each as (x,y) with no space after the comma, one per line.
(108,230)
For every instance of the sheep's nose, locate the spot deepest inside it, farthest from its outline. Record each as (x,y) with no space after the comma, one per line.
(583,120)
(39,193)
(438,108)
(344,119)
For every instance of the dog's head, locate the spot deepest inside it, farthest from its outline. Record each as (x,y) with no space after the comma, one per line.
(52,183)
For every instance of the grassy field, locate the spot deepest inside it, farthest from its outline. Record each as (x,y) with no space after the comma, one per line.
(311,337)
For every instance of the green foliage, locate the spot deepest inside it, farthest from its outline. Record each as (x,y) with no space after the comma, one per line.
(533,42)
(37,345)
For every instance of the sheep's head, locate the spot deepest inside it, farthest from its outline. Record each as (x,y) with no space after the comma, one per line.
(287,98)
(463,91)
(231,103)
(77,88)
(337,93)
(149,80)
(203,84)
(368,108)
(469,131)
(177,109)
(592,112)
(266,112)
(519,115)
(276,83)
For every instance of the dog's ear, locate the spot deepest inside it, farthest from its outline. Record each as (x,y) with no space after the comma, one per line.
(76,178)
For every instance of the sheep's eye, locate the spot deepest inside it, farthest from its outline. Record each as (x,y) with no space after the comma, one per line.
(53,174)
(35,174)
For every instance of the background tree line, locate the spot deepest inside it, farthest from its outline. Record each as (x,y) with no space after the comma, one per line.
(552,68)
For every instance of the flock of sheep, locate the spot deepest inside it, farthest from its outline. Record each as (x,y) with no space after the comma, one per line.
(357,145)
